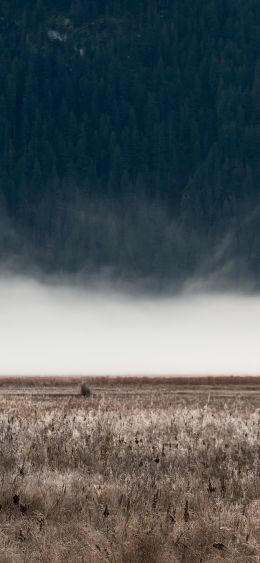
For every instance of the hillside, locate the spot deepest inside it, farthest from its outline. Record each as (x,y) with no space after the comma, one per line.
(130,137)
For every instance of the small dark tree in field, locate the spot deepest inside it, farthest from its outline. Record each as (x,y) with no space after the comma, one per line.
(84,390)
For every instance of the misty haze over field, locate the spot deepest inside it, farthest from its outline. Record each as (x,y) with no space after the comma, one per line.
(50,329)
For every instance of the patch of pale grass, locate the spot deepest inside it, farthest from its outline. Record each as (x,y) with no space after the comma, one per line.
(92,484)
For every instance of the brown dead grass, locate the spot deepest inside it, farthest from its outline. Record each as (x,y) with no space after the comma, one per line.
(131,475)
(62,381)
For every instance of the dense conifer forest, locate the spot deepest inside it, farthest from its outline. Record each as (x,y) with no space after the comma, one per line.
(129,137)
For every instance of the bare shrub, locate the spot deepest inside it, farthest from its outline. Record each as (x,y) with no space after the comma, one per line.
(85,390)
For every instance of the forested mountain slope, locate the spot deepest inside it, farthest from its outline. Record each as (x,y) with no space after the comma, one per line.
(129,136)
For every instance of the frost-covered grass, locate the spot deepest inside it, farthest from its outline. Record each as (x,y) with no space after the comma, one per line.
(129,483)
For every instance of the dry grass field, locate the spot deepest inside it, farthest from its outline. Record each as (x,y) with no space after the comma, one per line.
(142,471)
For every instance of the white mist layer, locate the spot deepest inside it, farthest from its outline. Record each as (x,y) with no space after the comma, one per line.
(47,330)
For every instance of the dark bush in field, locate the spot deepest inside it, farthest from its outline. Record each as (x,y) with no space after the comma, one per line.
(85,390)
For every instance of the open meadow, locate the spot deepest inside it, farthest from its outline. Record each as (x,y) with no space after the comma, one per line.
(140,471)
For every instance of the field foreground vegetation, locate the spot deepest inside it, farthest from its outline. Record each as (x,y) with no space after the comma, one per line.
(136,472)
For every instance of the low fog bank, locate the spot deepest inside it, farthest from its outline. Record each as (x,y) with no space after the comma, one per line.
(54,330)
